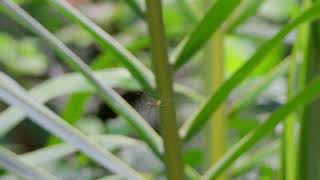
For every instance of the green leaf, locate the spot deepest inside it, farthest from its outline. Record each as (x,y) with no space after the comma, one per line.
(306,96)
(55,152)
(247,99)
(136,8)
(198,120)
(14,94)
(254,159)
(138,70)
(246,10)
(212,21)
(13,163)
(186,11)
(109,96)
(75,83)
(64,85)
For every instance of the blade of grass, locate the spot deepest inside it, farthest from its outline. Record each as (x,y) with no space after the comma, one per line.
(212,21)
(311,92)
(74,110)
(187,12)
(64,85)
(76,106)
(160,63)
(13,163)
(247,99)
(75,83)
(109,96)
(14,94)
(136,8)
(198,120)
(138,70)
(252,160)
(54,152)
(246,10)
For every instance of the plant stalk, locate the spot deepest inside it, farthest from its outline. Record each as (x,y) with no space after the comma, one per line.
(172,143)
(215,145)
(309,157)
(216,128)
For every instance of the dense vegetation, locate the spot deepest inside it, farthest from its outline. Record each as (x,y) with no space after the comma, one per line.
(184,89)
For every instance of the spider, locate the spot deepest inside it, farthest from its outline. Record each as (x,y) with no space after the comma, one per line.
(149,106)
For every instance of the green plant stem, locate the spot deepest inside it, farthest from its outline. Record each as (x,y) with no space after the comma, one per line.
(309,148)
(216,142)
(215,145)
(172,144)
(289,145)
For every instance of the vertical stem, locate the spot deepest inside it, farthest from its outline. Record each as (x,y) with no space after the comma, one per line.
(289,144)
(172,143)
(216,130)
(214,68)
(288,166)
(309,156)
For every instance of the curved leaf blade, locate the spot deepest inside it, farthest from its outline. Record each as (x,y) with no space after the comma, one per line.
(14,94)
(247,99)
(133,4)
(137,69)
(75,83)
(212,21)
(13,163)
(54,152)
(311,92)
(196,122)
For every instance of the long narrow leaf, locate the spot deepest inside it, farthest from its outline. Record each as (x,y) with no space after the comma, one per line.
(136,8)
(253,160)
(13,163)
(138,70)
(246,10)
(306,96)
(14,94)
(251,94)
(75,83)
(212,21)
(65,85)
(119,105)
(186,11)
(54,152)
(196,122)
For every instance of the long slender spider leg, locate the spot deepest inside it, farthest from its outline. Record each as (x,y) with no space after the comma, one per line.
(149,113)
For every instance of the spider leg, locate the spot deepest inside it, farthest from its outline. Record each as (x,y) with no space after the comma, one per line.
(150,107)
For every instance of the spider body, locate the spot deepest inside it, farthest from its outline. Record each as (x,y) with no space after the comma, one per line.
(153,104)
